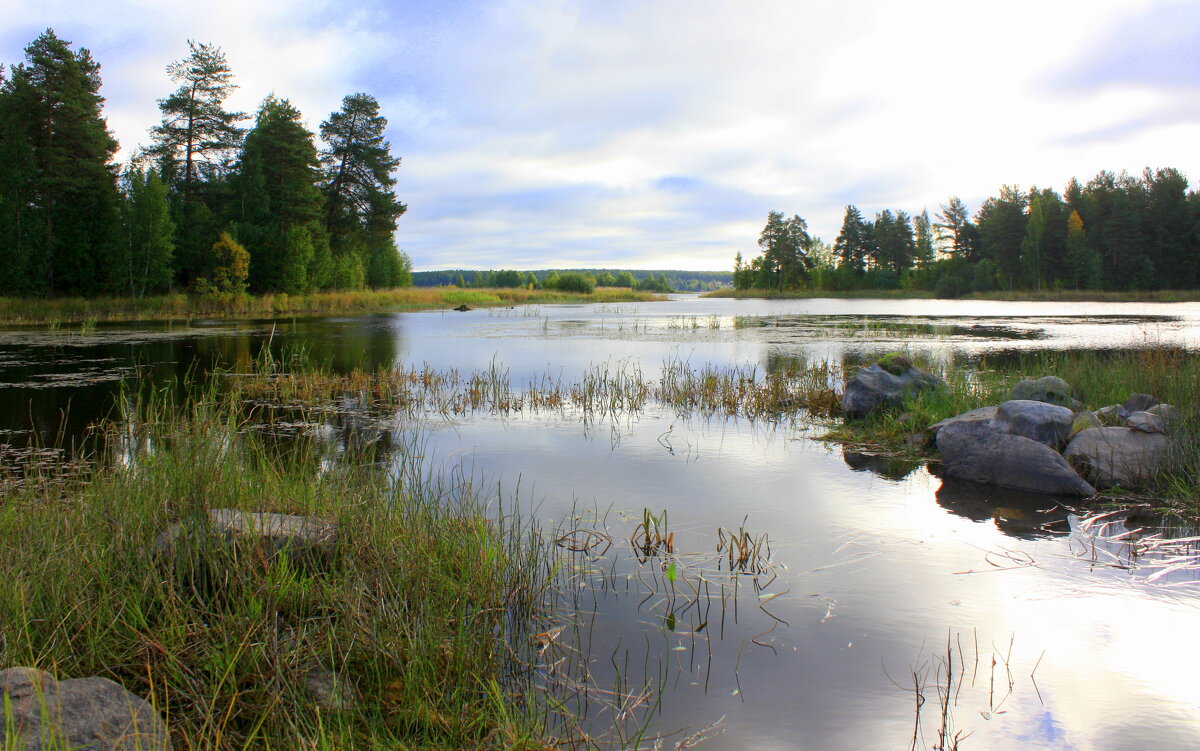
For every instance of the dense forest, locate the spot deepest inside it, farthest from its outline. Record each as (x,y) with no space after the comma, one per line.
(650,281)
(1116,232)
(218,202)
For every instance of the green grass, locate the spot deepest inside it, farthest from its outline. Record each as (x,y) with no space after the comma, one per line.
(426,608)
(180,307)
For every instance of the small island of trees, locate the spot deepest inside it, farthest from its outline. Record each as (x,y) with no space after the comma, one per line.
(1116,232)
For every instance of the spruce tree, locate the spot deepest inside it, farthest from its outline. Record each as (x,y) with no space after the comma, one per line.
(279,217)
(70,179)
(150,232)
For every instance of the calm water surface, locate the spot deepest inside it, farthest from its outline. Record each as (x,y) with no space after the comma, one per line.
(884,584)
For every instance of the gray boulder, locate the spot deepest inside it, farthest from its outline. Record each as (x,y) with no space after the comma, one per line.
(874,388)
(978,452)
(1049,389)
(94,713)
(1040,421)
(1121,456)
(979,414)
(1138,403)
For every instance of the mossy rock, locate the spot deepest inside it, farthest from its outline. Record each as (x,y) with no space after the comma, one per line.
(896,363)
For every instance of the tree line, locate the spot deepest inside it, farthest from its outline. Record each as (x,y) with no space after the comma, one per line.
(1115,232)
(650,281)
(209,205)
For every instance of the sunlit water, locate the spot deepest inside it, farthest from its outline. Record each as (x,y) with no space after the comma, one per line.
(884,588)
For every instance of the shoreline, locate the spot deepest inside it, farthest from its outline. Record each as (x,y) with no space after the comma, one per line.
(182,307)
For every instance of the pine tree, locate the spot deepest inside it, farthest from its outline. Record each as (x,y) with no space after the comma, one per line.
(21,232)
(194,147)
(360,208)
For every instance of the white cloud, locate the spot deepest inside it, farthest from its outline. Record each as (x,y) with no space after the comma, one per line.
(536,132)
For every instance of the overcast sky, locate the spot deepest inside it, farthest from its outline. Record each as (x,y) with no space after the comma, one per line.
(659,133)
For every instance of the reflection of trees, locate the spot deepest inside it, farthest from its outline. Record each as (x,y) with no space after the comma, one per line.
(1016,513)
(890,467)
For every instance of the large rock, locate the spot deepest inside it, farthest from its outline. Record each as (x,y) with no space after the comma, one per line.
(874,388)
(1121,456)
(979,414)
(94,713)
(978,452)
(1049,389)
(1040,421)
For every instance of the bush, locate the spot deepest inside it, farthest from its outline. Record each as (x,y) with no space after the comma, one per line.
(573,281)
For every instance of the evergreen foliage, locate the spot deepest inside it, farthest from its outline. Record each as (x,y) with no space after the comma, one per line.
(308,220)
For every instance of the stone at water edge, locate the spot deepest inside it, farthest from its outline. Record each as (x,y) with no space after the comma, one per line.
(978,452)
(84,713)
(1126,457)
(979,414)
(1040,421)
(874,387)
(1049,389)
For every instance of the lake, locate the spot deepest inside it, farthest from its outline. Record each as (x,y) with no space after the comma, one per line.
(869,605)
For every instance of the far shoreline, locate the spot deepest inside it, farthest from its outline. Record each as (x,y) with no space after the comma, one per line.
(1171,295)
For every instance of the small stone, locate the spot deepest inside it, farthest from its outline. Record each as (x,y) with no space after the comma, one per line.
(918,441)
(1049,389)
(1147,422)
(1139,403)
(328,690)
(1171,415)
(979,414)
(1084,420)
(1110,416)
(462,308)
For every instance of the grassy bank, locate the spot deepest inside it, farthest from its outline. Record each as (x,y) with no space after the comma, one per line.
(1169,295)
(425,608)
(181,307)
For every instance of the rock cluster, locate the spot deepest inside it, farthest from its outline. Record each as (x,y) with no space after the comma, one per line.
(884,384)
(1042,445)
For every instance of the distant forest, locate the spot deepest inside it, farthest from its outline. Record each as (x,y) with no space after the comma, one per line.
(1116,232)
(209,205)
(654,281)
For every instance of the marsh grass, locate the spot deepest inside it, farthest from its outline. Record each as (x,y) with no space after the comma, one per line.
(87,312)
(424,610)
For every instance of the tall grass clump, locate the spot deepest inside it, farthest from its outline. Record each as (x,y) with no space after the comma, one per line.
(420,616)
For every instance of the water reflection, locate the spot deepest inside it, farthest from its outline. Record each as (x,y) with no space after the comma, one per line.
(1057,621)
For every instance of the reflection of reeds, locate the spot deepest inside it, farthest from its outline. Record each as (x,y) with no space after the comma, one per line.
(612,389)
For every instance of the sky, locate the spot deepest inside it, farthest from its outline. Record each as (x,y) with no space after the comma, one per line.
(659,133)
